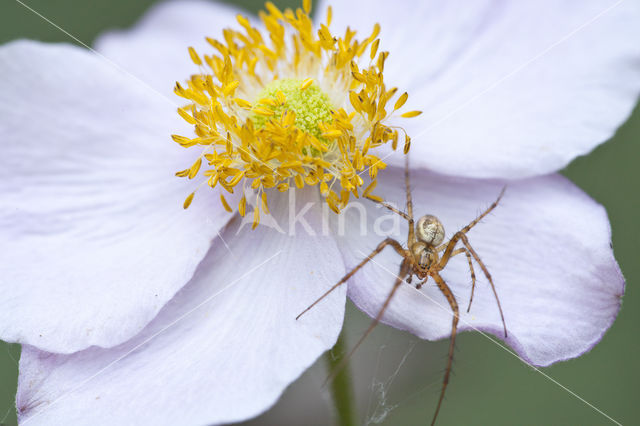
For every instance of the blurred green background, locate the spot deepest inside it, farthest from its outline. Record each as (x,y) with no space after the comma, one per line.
(397,377)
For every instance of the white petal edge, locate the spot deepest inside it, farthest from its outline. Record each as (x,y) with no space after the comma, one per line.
(155,49)
(93,234)
(222,350)
(546,245)
(508,89)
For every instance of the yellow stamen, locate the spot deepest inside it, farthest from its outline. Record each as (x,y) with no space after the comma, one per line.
(188,200)
(306,83)
(194,56)
(401,100)
(291,107)
(226,205)
(411,114)
(242,206)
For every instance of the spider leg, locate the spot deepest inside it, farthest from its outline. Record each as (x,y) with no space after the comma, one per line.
(460,236)
(471,270)
(448,294)
(411,237)
(475,221)
(421,283)
(408,216)
(404,268)
(408,187)
(387,242)
(486,212)
(390,207)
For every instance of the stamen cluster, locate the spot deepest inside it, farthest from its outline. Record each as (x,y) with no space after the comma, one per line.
(291,107)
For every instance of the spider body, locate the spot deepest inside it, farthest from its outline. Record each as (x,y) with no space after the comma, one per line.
(429,233)
(425,256)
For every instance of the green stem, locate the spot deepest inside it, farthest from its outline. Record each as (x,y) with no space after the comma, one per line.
(341,387)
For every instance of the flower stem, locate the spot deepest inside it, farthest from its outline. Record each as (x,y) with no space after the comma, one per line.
(341,387)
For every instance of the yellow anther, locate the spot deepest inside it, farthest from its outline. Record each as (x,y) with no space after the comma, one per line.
(401,101)
(193,171)
(407,144)
(308,82)
(256,218)
(411,114)
(374,48)
(230,88)
(188,200)
(369,188)
(332,134)
(226,205)
(267,101)
(194,56)
(185,115)
(324,189)
(242,103)
(244,22)
(242,206)
(263,198)
(263,111)
(183,141)
(273,10)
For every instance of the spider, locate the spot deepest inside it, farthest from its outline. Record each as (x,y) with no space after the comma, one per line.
(422,259)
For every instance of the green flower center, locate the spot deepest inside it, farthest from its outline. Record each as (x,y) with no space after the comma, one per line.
(311,105)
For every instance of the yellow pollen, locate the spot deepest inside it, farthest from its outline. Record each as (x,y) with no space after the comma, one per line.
(291,108)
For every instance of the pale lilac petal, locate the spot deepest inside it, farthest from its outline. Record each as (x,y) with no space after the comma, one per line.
(222,350)
(508,89)
(93,236)
(547,246)
(155,49)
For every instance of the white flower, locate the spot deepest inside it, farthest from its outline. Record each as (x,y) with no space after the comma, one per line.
(128,313)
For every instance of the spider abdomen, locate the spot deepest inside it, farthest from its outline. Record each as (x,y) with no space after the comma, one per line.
(429,230)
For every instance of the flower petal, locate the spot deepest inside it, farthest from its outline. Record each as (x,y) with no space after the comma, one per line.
(507,89)
(546,245)
(93,234)
(221,351)
(155,50)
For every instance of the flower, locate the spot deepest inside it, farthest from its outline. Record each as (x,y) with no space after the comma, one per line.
(128,312)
